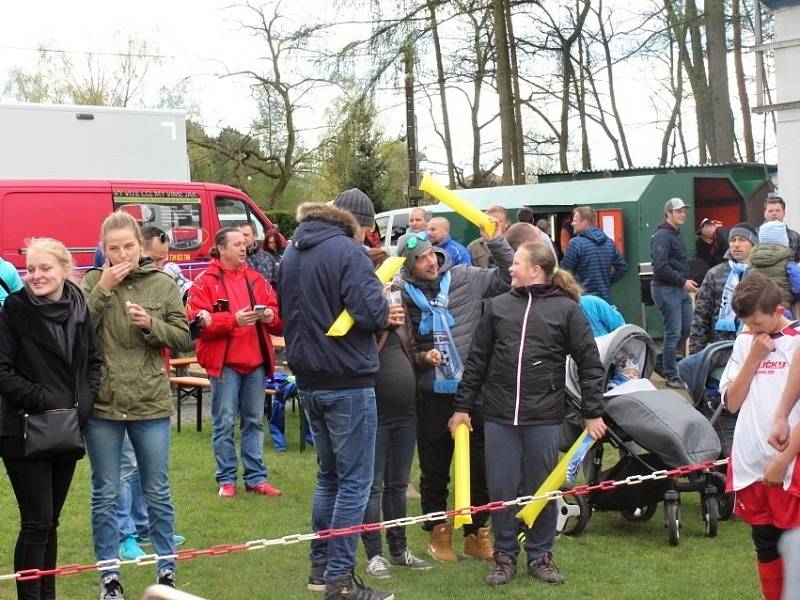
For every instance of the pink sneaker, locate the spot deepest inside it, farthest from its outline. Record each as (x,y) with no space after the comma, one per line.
(227,490)
(263,488)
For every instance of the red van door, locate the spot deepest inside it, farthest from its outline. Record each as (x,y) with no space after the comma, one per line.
(70,213)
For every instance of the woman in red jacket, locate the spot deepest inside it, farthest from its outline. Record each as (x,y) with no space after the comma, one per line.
(236,310)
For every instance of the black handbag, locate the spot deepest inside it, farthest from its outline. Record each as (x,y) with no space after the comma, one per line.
(52,433)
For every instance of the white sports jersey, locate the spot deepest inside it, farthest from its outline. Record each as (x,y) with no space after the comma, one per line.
(751,453)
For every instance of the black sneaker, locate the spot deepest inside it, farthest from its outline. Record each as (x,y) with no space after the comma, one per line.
(351,587)
(166,576)
(505,569)
(544,569)
(316,578)
(111,588)
(676,383)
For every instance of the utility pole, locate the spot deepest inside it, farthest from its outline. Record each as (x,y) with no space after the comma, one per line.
(414,195)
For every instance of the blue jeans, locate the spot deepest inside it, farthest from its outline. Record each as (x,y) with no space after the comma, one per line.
(343,423)
(151,441)
(394,453)
(233,397)
(675,307)
(132,511)
(518,460)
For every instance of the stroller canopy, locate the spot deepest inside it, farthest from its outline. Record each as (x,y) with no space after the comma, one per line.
(628,339)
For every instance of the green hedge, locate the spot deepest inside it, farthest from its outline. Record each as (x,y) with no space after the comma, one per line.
(284,220)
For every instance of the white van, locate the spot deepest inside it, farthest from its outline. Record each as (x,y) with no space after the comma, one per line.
(392,224)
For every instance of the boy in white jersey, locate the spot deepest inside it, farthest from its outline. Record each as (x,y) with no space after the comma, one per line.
(766,482)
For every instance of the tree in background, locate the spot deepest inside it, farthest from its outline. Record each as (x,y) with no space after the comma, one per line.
(355,154)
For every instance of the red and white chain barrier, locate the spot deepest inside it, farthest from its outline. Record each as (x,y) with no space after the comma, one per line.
(295,538)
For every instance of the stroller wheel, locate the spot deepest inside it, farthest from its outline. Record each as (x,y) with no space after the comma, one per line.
(672,511)
(725,506)
(711,514)
(573,514)
(640,514)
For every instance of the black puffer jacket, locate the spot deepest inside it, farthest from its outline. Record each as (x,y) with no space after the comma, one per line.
(35,374)
(518,358)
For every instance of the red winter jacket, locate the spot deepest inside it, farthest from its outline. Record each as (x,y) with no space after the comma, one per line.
(223,342)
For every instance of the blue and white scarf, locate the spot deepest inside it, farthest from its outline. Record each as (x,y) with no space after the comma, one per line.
(437,319)
(726,321)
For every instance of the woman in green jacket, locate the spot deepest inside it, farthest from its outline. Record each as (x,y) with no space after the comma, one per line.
(137,311)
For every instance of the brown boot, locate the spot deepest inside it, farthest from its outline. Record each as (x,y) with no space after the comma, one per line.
(440,543)
(479,546)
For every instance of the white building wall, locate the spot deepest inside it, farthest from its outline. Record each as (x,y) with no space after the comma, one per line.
(787,59)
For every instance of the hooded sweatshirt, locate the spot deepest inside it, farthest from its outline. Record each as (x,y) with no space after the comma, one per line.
(595,262)
(668,254)
(323,272)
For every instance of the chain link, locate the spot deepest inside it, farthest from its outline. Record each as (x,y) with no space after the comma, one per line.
(224,549)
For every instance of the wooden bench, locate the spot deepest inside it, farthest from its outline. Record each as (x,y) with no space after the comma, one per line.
(188,388)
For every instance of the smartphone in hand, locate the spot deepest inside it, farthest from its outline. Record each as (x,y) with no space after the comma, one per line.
(260,308)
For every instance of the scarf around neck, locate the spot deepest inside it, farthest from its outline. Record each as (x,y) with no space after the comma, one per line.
(437,319)
(726,320)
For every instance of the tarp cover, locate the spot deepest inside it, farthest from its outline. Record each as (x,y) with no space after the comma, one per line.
(664,423)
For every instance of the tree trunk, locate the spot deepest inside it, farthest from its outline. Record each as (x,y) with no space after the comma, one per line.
(411,127)
(722,123)
(611,91)
(677,92)
(506,99)
(744,101)
(580,100)
(519,141)
(448,144)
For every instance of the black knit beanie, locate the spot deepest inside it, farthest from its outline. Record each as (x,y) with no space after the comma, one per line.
(358,203)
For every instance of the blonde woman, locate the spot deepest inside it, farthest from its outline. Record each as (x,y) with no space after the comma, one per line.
(137,311)
(49,360)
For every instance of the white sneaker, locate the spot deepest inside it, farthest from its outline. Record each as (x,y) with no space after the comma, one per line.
(378,567)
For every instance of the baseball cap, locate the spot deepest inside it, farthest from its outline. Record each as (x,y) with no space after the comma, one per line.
(674,204)
(705,222)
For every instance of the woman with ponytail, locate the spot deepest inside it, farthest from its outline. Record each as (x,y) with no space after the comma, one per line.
(516,368)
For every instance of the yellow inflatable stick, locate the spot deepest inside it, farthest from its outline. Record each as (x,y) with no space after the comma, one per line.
(456,202)
(556,479)
(385,273)
(461,472)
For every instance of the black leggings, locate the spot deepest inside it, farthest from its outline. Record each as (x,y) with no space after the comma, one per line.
(41,488)
(765,538)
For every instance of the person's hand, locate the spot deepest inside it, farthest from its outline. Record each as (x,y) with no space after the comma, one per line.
(457,419)
(139,317)
(246,317)
(203,318)
(267,316)
(776,471)
(495,234)
(396,315)
(433,358)
(761,347)
(596,427)
(690,286)
(114,274)
(779,433)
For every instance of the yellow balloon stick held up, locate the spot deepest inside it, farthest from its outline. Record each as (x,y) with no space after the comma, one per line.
(385,273)
(456,202)
(555,480)
(461,472)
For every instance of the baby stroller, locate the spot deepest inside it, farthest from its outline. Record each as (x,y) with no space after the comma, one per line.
(702,373)
(652,430)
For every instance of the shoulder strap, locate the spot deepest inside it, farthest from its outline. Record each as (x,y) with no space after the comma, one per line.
(262,342)
(4,285)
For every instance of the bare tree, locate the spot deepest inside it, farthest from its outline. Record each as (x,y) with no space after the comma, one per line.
(722,116)
(744,101)
(448,144)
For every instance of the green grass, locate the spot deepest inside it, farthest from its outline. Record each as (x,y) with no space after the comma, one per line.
(611,559)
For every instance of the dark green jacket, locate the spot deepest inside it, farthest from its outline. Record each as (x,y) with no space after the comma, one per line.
(772,260)
(134,385)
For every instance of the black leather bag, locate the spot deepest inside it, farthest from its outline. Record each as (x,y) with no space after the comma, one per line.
(52,433)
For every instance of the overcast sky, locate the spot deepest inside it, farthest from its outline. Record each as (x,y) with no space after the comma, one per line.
(203,38)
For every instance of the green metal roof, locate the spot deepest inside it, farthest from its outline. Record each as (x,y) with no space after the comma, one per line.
(561,193)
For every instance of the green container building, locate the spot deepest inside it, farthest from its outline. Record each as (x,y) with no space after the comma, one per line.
(730,193)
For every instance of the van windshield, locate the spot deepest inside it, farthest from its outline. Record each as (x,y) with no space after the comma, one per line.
(176,213)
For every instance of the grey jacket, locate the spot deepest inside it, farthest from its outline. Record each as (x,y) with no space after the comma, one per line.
(469,287)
